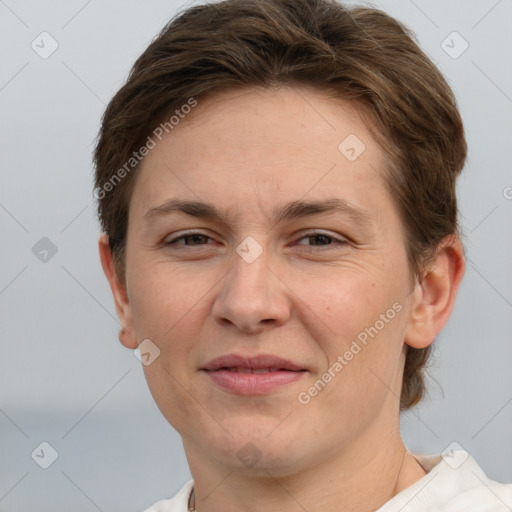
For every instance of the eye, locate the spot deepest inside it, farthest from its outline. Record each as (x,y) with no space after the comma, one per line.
(315,238)
(193,238)
(321,239)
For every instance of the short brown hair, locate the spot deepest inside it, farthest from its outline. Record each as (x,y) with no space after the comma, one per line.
(359,54)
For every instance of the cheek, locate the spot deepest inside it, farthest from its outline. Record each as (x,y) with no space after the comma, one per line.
(165,309)
(163,300)
(172,395)
(361,334)
(345,301)
(361,376)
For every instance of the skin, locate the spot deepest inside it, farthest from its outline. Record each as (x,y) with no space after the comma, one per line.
(304,298)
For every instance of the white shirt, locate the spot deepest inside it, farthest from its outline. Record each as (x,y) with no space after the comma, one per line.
(453,483)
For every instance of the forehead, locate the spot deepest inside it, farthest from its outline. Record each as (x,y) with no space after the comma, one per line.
(239,147)
(286,117)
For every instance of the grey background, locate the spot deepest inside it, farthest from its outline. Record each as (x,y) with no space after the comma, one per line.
(64,377)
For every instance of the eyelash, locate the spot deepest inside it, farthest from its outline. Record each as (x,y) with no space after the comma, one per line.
(306,235)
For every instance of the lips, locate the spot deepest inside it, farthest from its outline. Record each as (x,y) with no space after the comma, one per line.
(252,375)
(246,364)
(241,369)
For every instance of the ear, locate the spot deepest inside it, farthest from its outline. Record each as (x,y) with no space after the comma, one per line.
(434,296)
(127,334)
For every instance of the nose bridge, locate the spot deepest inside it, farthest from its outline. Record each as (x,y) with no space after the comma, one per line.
(250,292)
(250,267)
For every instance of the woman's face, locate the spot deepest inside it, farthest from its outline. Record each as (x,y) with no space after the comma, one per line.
(275,274)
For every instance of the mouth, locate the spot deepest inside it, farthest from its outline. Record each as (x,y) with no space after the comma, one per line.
(255,363)
(242,369)
(252,375)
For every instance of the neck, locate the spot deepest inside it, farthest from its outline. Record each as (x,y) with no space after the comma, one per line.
(363,478)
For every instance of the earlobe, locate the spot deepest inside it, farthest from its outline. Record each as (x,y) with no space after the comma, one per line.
(434,296)
(127,340)
(127,335)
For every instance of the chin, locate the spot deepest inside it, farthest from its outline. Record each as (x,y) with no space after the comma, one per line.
(260,449)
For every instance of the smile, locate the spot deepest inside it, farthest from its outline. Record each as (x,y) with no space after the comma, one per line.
(252,374)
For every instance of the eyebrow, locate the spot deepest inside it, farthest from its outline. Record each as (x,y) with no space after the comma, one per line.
(290,211)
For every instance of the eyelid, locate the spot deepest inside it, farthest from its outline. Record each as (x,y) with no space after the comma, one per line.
(182,234)
(337,238)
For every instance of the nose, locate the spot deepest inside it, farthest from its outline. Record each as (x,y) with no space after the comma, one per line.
(252,296)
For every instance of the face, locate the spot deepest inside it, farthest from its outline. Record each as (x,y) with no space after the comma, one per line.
(297,265)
